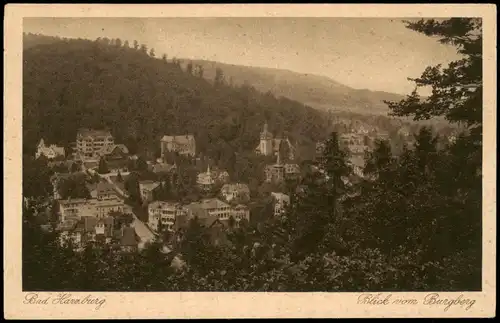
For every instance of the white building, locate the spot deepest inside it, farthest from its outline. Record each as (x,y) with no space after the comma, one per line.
(50,152)
(209,207)
(164,212)
(270,146)
(147,188)
(91,143)
(206,180)
(71,209)
(184,145)
(281,201)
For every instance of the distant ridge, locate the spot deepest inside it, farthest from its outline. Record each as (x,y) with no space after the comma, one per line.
(319,92)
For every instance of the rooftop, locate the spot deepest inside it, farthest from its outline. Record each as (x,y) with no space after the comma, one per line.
(149,185)
(280,196)
(182,139)
(129,239)
(106,150)
(163,204)
(105,188)
(235,187)
(213,203)
(73,201)
(93,132)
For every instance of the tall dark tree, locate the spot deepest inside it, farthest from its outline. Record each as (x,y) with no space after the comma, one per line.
(189,68)
(103,166)
(219,77)
(457,89)
(152,52)
(136,45)
(73,187)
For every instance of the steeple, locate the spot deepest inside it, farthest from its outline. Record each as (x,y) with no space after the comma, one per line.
(278,162)
(265,134)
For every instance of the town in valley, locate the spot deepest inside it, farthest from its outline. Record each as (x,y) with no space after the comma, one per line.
(143,171)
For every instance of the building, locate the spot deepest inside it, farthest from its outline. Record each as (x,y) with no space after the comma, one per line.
(163,168)
(105,191)
(275,173)
(320,146)
(129,241)
(223,177)
(281,201)
(50,152)
(236,192)
(77,208)
(147,189)
(184,145)
(357,163)
(91,230)
(353,142)
(114,152)
(91,143)
(206,180)
(215,209)
(292,170)
(270,146)
(209,207)
(240,212)
(165,213)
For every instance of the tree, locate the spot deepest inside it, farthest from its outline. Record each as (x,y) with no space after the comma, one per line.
(189,68)
(118,42)
(141,165)
(219,77)
(136,45)
(126,44)
(75,167)
(164,57)
(457,89)
(321,200)
(103,166)
(144,48)
(200,71)
(73,187)
(132,187)
(152,52)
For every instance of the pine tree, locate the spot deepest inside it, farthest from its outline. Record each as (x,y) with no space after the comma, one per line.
(103,166)
(189,68)
(219,77)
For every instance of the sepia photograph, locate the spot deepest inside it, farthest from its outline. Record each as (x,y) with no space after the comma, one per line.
(252,154)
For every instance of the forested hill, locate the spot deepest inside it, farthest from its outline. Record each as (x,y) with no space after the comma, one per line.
(82,83)
(317,91)
(32,40)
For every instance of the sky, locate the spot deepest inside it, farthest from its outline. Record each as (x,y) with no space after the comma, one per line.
(364,53)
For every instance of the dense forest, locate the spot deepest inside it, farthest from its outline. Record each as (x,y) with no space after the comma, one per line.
(139,97)
(414,223)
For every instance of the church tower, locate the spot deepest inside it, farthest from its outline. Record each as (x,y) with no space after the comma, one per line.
(266,142)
